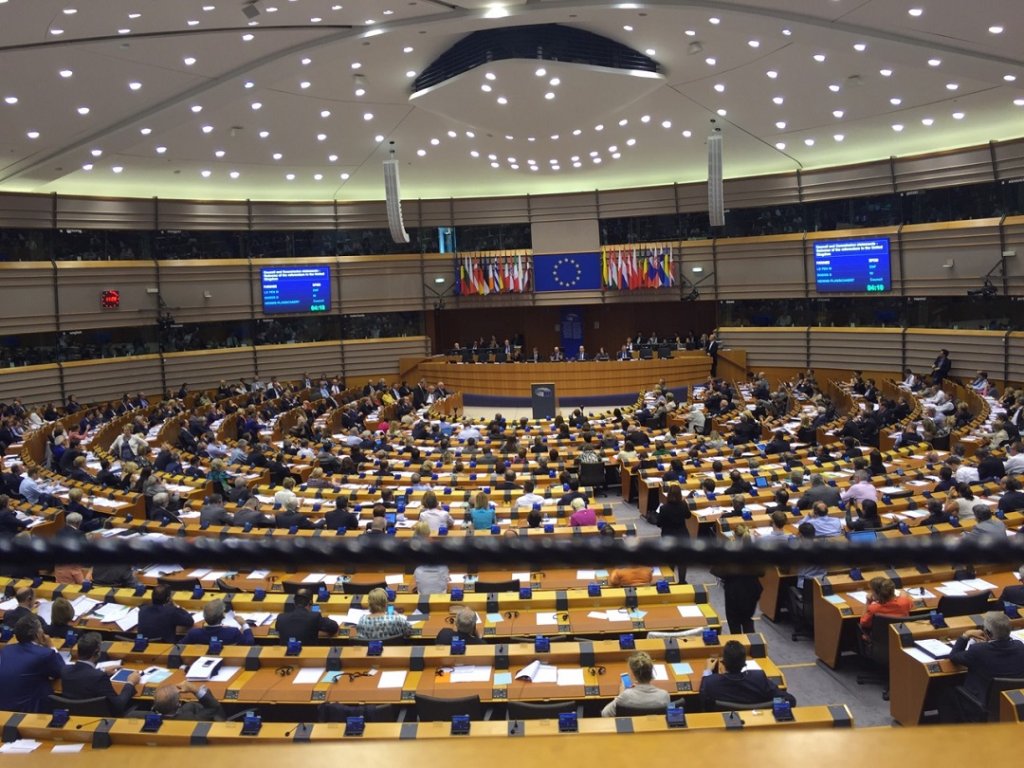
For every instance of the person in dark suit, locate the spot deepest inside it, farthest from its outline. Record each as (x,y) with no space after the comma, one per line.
(250,514)
(27,668)
(340,517)
(161,619)
(10,525)
(778,443)
(726,680)
(213,511)
(27,603)
(465,629)
(1013,499)
(82,680)
(941,366)
(302,623)
(712,352)
(290,517)
(213,616)
(167,701)
(993,654)
(1015,592)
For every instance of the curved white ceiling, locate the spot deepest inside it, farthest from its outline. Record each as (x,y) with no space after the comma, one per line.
(191,98)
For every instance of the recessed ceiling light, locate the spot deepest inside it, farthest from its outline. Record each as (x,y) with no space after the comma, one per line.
(234,174)
(554,82)
(290,176)
(898,127)
(96,152)
(356,65)
(819,57)
(325,113)
(207,129)
(754,43)
(599,127)
(1010,78)
(691,33)
(305,84)
(711,61)
(623,122)
(649,51)
(495,165)
(407,49)
(781,125)
(117,168)
(576,164)
(83,110)
(885,72)
(772,74)
(56,32)
(70,11)
(345,176)
(485,88)
(219,153)
(452,134)
(627,27)
(66,73)
(780,145)
(959,115)
(722,113)
(1018,102)
(860,47)
(368,116)
(502,100)
(435,142)
(952,86)
(332,158)
(205,173)
(277,155)
(192,22)
(321,137)
(666,123)
(915,12)
(248,36)
(720,87)
(835,87)
(33,134)
(411,73)
(264,134)
(934,62)
(838,114)
(540,72)
(687,134)
(160,150)
(549,95)
(996,29)
(145,131)
(895,101)
(645,119)
(839,137)
(197,108)
(630,142)
(714,20)
(11,99)
(134,85)
(306,61)
(87,167)
(378,138)
(809,142)
(250,84)
(927,121)
(777,100)
(318,177)
(787,32)
(474,153)
(189,60)
(256,105)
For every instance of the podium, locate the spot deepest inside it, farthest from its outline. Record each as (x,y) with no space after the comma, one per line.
(543,400)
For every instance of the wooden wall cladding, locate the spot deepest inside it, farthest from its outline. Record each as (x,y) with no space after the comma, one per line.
(969,351)
(861,349)
(288,361)
(761,267)
(1015,358)
(81,283)
(768,347)
(28,298)
(971,247)
(205,369)
(371,357)
(382,284)
(33,384)
(92,381)
(185,283)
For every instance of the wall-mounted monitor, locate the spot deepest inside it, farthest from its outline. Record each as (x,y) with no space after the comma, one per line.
(296,289)
(852,266)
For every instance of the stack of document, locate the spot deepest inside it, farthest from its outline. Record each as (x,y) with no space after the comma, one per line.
(156,571)
(469,673)
(203,668)
(935,648)
(537,672)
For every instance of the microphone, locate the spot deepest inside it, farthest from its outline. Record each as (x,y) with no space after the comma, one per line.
(80,726)
(288,734)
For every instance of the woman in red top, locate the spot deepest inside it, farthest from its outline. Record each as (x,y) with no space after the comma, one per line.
(883,601)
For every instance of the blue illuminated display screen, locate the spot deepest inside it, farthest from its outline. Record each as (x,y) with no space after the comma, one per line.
(852,266)
(296,289)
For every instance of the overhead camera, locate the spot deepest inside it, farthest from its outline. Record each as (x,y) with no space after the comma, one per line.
(987,291)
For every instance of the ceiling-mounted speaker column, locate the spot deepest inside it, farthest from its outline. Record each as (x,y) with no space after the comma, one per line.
(716,194)
(393,196)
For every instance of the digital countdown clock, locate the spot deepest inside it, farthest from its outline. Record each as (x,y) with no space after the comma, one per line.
(110,299)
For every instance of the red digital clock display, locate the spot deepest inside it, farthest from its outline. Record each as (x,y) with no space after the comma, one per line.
(110,299)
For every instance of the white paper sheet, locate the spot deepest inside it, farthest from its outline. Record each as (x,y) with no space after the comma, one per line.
(570,676)
(860,596)
(393,579)
(224,674)
(468,673)
(933,647)
(392,678)
(660,672)
(65,749)
(547,619)
(690,611)
(546,673)
(618,614)
(751,664)
(919,655)
(259,575)
(309,675)
(979,584)
(598,615)
(314,578)
(586,575)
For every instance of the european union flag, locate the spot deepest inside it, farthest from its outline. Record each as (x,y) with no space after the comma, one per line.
(567,272)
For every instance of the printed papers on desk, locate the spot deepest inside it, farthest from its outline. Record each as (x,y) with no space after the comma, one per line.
(690,611)
(203,668)
(536,672)
(934,648)
(469,673)
(125,617)
(392,678)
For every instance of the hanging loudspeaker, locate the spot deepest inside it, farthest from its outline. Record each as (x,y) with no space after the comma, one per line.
(716,195)
(393,195)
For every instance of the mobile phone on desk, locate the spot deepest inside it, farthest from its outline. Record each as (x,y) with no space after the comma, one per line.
(627,681)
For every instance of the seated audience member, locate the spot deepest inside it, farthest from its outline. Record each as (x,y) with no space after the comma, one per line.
(481,516)
(1013,499)
(432,514)
(726,679)
(249,515)
(642,694)
(883,601)
(82,680)
(986,523)
(341,517)
(465,629)
(62,613)
(213,617)
(582,514)
(867,516)
(1015,592)
(302,623)
(992,654)
(824,526)
(213,512)
(161,620)
(431,578)
(167,701)
(27,668)
(381,623)
(529,497)
(819,491)
(936,513)
(861,489)
(291,517)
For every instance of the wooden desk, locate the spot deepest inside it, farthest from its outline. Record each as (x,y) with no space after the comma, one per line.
(1011,706)
(837,614)
(571,380)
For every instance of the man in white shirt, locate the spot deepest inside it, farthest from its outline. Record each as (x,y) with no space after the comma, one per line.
(963,473)
(1014,461)
(695,419)
(824,526)
(529,498)
(467,432)
(861,490)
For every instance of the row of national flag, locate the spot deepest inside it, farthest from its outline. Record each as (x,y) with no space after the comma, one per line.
(484,275)
(629,267)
